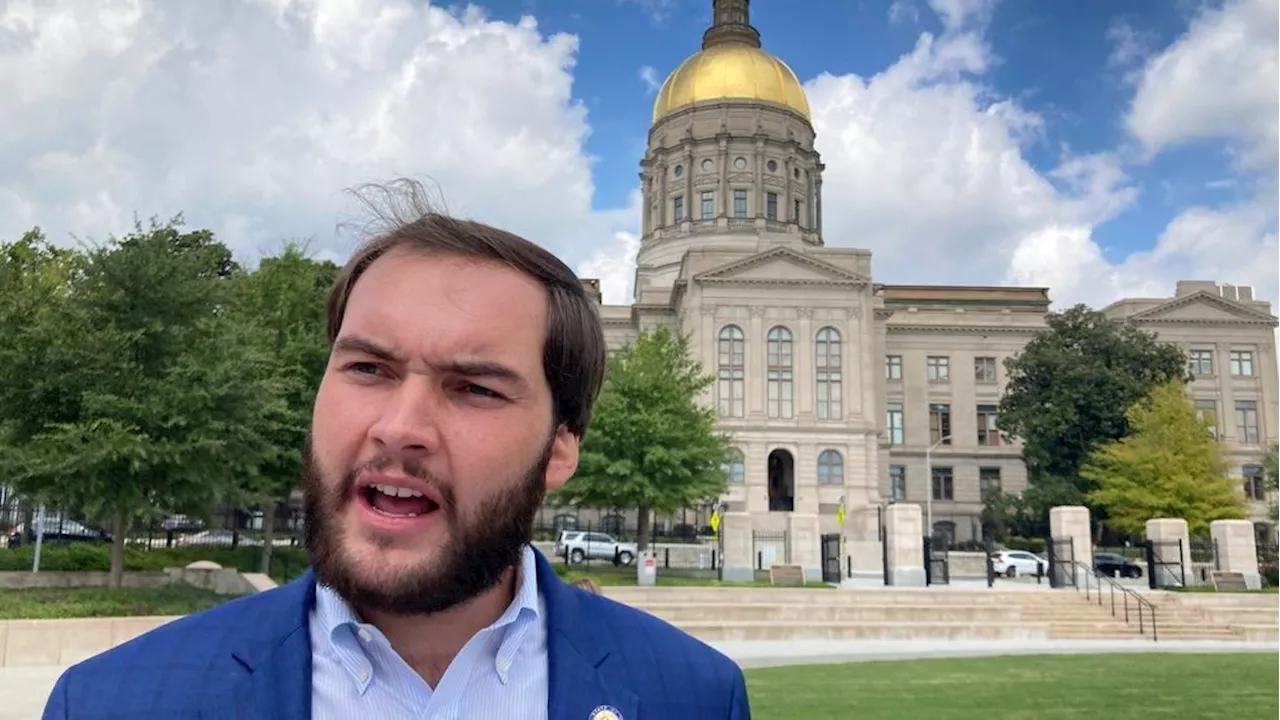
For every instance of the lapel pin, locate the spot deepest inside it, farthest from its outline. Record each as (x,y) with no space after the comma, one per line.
(606,712)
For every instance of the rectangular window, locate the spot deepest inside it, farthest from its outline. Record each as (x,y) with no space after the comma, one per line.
(708,204)
(739,203)
(1200,362)
(988,481)
(1207,413)
(987,433)
(940,423)
(897,482)
(937,368)
(771,206)
(1254,489)
(893,422)
(1247,422)
(943,486)
(893,367)
(677,208)
(1241,363)
(984,370)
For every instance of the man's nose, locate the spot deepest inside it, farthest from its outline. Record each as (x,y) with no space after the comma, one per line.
(409,421)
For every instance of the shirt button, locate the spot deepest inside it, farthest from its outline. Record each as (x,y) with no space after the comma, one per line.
(363,675)
(364,635)
(503,664)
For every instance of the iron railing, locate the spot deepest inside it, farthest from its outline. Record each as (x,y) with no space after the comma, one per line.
(1145,608)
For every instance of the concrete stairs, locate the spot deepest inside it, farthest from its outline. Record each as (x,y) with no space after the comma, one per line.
(937,613)
(1251,617)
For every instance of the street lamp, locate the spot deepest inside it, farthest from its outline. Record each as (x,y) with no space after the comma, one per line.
(928,473)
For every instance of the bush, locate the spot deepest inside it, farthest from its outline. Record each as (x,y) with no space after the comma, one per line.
(1031,545)
(286,562)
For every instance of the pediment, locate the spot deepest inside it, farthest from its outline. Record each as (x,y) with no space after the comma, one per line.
(781,266)
(1202,307)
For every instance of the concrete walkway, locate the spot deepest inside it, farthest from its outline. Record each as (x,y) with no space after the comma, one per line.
(23,690)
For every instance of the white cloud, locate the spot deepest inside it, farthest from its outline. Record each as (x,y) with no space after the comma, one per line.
(649,76)
(902,12)
(252,116)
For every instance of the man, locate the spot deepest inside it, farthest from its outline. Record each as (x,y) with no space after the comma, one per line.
(464,365)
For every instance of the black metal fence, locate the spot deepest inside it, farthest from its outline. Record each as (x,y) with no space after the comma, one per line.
(937,566)
(1062,562)
(1268,562)
(1165,567)
(615,550)
(769,548)
(1203,555)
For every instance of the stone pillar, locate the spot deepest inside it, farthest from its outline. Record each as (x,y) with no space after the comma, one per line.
(805,541)
(862,542)
(1172,545)
(1072,522)
(1237,549)
(904,532)
(739,565)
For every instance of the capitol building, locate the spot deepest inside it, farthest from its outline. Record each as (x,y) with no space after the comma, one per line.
(834,387)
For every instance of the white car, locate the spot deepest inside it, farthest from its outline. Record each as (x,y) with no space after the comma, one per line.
(1012,563)
(581,545)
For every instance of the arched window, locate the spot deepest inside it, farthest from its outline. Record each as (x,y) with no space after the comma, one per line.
(732,371)
(830,468)
(781,385)
(735,468)
(827,369)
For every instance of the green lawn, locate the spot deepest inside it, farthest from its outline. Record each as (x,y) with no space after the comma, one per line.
(176,599)
(1115,687)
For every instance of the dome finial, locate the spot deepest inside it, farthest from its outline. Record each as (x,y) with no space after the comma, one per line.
(730,23)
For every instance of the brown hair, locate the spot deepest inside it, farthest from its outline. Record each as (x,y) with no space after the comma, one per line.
(573,354)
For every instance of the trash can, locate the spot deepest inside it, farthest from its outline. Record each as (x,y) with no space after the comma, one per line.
(647,569)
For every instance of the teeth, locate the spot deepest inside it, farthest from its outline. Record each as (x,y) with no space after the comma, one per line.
(394,491)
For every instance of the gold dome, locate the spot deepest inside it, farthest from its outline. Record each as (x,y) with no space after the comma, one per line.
(731,71)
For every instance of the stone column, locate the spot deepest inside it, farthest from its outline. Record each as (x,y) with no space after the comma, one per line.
(805,538)
(1172,545)
(1237,549)
(739,565)
(862,542)
(904,532)
(802,373)
(1072,522)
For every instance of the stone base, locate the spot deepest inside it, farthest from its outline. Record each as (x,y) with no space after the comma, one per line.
(1253,581)
(907,577)
(813,574)
(737,573)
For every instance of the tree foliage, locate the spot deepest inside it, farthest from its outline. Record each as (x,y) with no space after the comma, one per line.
(1169,466)
(1071,387)
(281,306)
(651,444)
(161,401)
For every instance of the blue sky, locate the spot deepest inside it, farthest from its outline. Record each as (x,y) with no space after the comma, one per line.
(1100,148)
(1055,58)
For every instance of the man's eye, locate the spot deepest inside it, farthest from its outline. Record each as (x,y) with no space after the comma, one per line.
(363,368)
(481,391)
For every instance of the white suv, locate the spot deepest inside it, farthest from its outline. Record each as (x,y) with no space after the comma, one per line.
(582,545)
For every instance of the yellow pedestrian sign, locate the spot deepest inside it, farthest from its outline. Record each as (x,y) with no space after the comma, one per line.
(715,521)
(840,514)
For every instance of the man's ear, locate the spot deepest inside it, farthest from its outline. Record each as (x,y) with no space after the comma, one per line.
(564,458)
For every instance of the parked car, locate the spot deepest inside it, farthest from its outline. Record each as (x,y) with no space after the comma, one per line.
(1012,563)
(56,530)
(581,545)
(1116,565)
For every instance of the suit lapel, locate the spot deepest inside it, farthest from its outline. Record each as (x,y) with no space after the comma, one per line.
(273,660)
(577,648)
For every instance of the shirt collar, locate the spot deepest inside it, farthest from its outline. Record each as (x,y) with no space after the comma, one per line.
(336,617)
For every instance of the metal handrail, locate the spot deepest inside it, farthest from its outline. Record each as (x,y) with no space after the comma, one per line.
(1125,593)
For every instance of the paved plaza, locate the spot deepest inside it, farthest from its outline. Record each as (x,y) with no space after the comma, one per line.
(23,689)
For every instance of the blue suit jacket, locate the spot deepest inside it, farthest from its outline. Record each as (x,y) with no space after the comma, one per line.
(251,659)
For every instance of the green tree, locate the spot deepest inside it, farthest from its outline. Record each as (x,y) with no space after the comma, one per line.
(1071,387)
(282,304)
(1170,465)
(1271,477)
(165,397)
(651,445)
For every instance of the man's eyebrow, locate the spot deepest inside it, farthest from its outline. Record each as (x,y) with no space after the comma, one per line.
(352,344)
(465,367)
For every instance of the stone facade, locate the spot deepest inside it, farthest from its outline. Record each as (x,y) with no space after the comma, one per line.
(834,387)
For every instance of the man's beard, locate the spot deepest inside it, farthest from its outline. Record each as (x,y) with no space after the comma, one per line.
(482,542)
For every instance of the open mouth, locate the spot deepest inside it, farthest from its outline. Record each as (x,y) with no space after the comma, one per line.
(397,501)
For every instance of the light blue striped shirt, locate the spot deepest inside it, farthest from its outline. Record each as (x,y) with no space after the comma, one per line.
(501,672)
